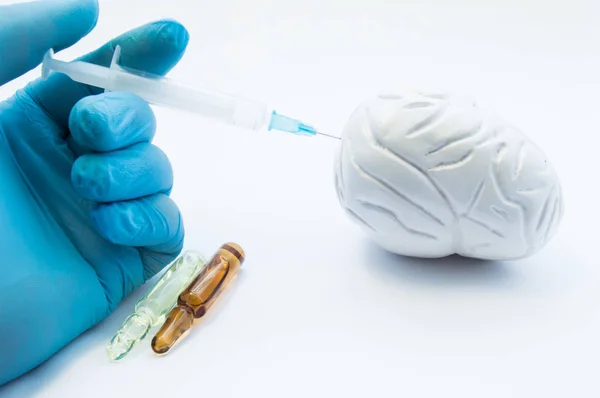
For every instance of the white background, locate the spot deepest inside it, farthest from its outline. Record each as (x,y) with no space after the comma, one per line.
(319,311)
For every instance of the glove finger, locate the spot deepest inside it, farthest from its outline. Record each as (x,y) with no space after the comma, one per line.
(152,221)
(154,48)
(110,121)
(134,172)
(28,30)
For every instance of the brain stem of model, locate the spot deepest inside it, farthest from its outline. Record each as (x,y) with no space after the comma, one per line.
(431,176)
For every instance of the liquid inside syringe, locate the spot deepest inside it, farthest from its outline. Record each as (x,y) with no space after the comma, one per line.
(236,111)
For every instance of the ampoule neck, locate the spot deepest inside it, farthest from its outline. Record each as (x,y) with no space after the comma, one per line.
(144,313)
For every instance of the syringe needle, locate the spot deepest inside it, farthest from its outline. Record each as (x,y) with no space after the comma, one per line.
(330,136)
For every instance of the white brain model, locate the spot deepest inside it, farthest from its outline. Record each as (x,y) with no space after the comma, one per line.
(431,176)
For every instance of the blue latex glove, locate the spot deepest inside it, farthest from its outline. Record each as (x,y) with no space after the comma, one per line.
(85,216)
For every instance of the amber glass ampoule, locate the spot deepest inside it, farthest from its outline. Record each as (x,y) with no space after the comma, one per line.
(199,296)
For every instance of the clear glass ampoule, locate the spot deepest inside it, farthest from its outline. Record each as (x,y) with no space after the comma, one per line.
(199,296)
(152,308)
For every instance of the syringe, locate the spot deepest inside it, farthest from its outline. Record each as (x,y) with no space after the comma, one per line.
(161,91)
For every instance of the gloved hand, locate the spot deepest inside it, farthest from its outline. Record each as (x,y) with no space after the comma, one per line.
(85,213)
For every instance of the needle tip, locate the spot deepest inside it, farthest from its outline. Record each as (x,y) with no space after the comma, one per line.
(330,136)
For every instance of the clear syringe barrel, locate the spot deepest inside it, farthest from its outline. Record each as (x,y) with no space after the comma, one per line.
(162,91)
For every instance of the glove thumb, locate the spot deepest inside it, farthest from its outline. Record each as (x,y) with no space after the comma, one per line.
(28,30)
